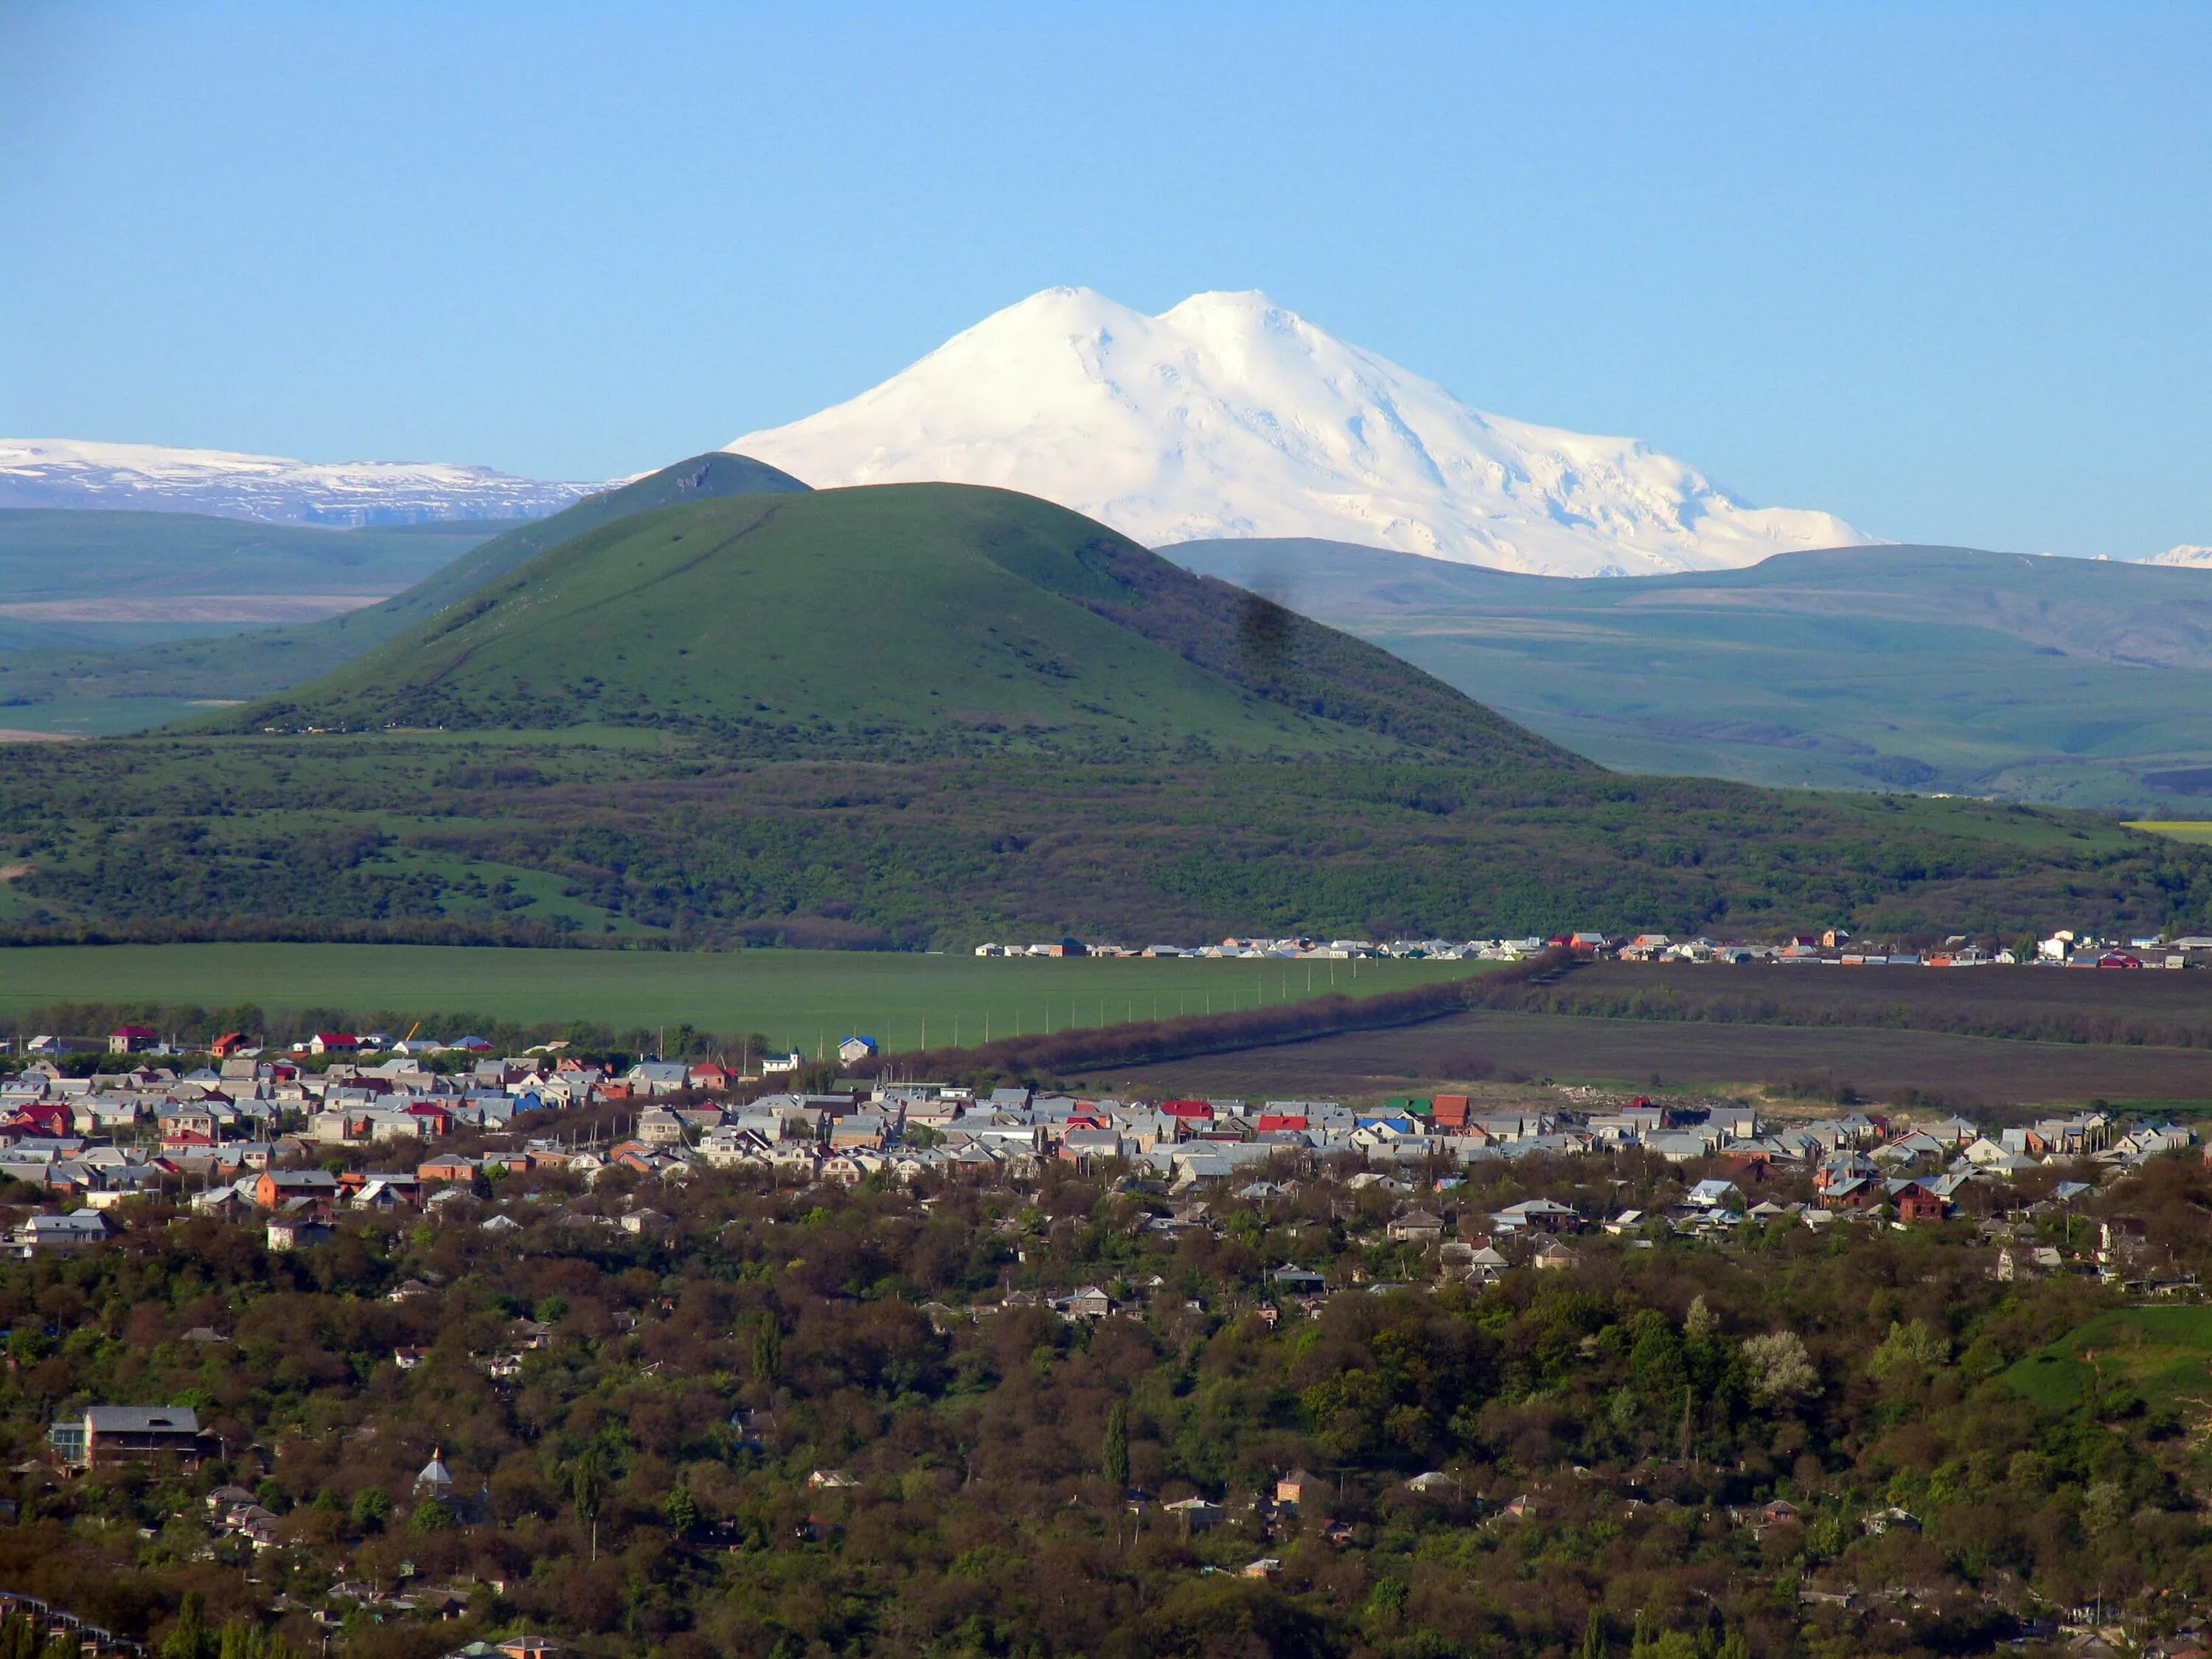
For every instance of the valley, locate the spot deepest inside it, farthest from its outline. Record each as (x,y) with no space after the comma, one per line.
(2060,682)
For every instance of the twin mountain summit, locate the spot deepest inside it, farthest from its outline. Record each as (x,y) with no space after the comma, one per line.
(913,671)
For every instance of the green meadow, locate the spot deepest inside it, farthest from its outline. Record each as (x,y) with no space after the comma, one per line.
(797,998)
(2163,1355)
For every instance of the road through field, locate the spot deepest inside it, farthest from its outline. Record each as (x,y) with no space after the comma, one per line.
(792,997)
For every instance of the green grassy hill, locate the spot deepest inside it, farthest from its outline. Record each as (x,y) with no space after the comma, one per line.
(930,714)
(932,609)
(2057,681)
(254,664)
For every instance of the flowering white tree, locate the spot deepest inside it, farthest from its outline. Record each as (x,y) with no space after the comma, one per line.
(1780,1367)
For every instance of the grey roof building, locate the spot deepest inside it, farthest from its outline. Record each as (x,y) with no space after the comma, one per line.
(101,1434)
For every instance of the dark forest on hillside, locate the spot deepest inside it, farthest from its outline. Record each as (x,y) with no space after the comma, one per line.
(439,838)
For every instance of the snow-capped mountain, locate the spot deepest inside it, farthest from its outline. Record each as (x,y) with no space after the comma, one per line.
(2187,555)
(59,472)
(1230,417)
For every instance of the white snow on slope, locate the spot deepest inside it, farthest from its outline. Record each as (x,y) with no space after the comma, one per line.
(1230,417)
(145,477)
(2187,555)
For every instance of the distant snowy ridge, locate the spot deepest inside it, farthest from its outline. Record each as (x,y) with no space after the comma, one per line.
(2187,555)
(1230,417)
(144,478)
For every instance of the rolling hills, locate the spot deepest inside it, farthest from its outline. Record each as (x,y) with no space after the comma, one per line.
(1939,670)
(54,554)
(924,715)
(2056,681)
(242,665)
(926,609)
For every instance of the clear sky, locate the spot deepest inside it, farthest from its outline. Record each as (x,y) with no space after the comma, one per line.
(1945,270)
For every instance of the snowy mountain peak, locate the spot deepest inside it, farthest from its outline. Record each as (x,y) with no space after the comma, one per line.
(2187,555)
(146,477)
(1231,416)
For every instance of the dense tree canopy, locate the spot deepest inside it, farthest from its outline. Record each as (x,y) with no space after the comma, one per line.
(851,1421)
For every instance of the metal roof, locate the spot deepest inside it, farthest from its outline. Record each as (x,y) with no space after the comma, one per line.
(141,1420)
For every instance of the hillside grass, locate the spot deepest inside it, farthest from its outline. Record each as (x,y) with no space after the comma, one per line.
(797,998)
(2161,1355)
(931,610)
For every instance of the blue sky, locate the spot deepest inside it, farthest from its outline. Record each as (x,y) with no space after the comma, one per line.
(1942,269)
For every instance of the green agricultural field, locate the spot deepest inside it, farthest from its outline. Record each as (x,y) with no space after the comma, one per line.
(2196,831)
(797,998)
(100,717)
(2161,1355)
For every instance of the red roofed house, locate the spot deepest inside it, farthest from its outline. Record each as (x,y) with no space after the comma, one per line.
(48,1119)
(228,1044)
(129,1039)
(1186,1109)
(1449,1111)
(332,1042)
(275,1188)
(1277,1123)
(437,1121)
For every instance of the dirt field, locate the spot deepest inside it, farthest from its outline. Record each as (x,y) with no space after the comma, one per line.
(1967,1071)
(1935,999)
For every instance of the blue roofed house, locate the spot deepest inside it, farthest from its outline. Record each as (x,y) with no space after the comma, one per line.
(1715,1194)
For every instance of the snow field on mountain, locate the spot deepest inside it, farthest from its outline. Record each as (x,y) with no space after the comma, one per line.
(270,488)
(1230,416)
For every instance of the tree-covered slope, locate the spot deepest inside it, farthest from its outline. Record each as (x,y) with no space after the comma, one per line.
(612,834)
(926,609)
